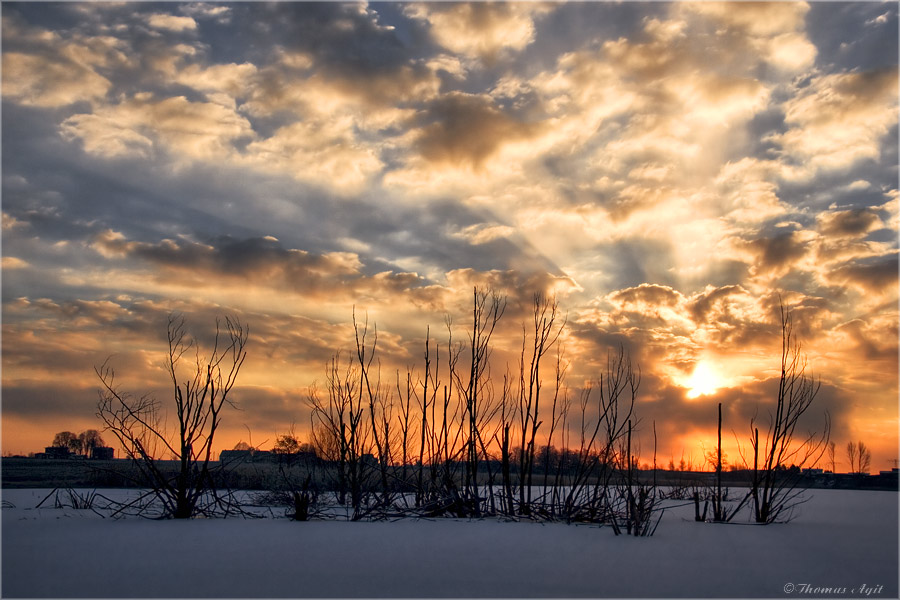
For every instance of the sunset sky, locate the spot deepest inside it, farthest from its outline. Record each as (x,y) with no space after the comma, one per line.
(668,171)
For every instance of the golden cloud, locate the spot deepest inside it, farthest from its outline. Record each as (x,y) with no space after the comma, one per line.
(322,152)
(840,119)
(11,262)
(482,30)
(190,130)
(755,18)
(50,82)
(171,22)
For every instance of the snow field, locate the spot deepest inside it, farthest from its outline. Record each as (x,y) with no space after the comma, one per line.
(841,540)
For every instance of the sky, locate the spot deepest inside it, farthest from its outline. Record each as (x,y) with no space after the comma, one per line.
(670,173)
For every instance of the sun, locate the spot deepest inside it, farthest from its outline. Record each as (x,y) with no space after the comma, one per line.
(703,381)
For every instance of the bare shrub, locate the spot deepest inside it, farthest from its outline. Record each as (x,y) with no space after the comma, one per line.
(139,423)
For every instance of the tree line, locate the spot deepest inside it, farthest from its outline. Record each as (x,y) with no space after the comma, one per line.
(82,444)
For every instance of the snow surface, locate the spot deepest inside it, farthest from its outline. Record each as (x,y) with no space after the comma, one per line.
(841,539)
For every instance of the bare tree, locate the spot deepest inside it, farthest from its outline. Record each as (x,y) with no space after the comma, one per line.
(853,457)
(774,487)
(139,423)
(379,402)
(324,443)
(831,461)
(602,453)
(865,458)
(545,312)
(487,309)
(339,428)
(860,457)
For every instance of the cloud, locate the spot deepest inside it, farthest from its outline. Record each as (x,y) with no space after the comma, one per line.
(106,136)
(649,294)
(465,129)
(204,10)
(42,68)
(875,339)
(321,152)
(11,262)
(171,22)
(140,125)
(874,276)
(232,80)
(10,222)
(777,254)
(713,302)
(839,119)
(758,18)
(261,266)
(480,30)
(663,169)
(48,82)
(849,223)
(483,233)
(344,48)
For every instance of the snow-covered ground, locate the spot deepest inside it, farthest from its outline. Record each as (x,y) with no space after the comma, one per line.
(840,542)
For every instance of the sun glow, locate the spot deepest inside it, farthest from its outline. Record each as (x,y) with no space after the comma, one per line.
(703,381)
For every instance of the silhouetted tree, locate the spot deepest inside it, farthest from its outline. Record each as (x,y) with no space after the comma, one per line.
(546,332)
(774,487)
(339,428)
(487,309)
(286,444)
(860,457)
(67,439)
(139,423)
(831,461)
(89,440)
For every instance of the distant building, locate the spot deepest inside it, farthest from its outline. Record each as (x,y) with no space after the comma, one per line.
(102,453)
(235,456)
(56,452)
